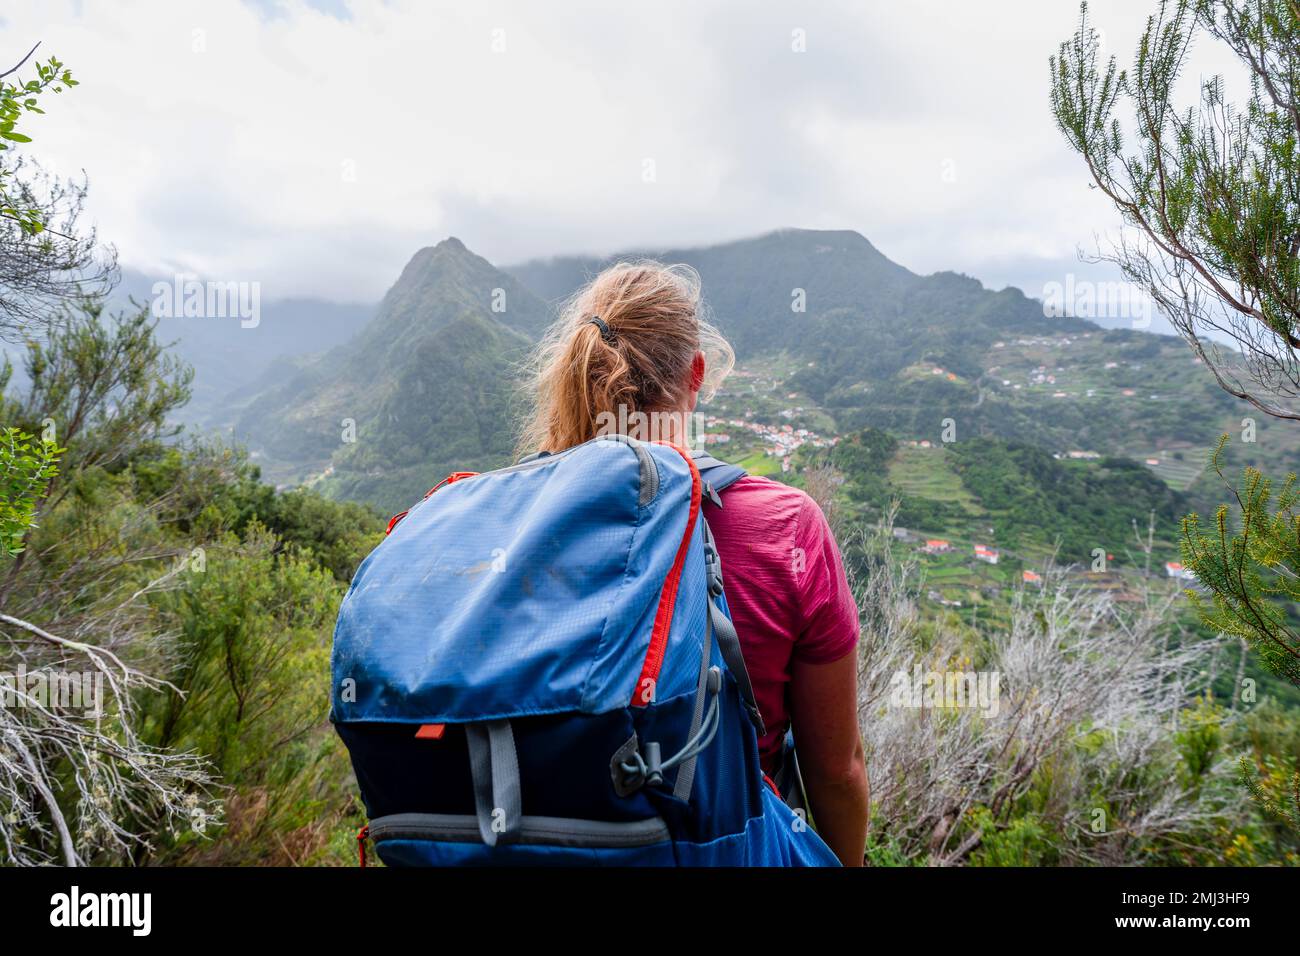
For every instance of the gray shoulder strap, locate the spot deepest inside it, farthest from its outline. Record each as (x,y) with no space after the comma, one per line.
(717,475)
(729,645)
(724,631)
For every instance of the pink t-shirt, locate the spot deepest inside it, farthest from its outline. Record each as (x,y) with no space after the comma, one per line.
(786,589)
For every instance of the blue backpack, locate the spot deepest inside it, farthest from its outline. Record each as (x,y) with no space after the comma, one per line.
(537,666)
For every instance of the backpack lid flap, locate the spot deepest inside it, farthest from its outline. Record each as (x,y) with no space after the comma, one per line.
(530,590)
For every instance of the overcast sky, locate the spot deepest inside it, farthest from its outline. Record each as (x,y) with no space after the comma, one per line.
(314,146)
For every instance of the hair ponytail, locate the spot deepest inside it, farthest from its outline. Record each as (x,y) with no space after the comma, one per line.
(578,373)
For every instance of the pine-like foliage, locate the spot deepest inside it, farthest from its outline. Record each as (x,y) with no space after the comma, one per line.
(1250,563)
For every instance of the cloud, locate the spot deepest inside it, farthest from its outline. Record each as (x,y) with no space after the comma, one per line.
(314,146)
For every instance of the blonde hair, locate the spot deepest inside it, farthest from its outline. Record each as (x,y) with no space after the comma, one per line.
(655,321)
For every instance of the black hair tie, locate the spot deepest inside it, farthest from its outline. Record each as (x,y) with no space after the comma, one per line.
(606,332)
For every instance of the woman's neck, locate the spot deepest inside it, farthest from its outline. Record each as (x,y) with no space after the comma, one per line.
(677,427)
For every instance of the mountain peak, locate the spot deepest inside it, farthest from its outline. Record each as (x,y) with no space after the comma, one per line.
(451,244)
(448,258)
(821,241)
(449,248)
(840,235)
(443,281)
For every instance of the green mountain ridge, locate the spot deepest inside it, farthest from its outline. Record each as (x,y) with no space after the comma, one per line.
(1012,496)
(423,388)
(750,286)
(428,381)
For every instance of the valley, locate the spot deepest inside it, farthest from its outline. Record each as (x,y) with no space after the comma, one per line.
(1040,440)
(968,564)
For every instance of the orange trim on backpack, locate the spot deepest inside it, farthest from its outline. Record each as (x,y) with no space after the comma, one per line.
(454,476)
(654,658)
(362,835)
(772,783)
(430,732)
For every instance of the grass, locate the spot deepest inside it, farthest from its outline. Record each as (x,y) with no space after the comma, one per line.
(925,473)
(1179,474)
(760,464)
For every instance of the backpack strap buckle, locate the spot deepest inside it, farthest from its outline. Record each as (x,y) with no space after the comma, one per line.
(631,770)
(712,564)
(712,494)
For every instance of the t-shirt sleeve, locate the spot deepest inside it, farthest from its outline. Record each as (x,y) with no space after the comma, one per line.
(829,613)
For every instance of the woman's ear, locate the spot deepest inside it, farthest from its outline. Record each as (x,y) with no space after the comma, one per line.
(697,372)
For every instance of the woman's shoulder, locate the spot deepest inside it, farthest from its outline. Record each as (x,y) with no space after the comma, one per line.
(760,487)
(756,489)
(755,498)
